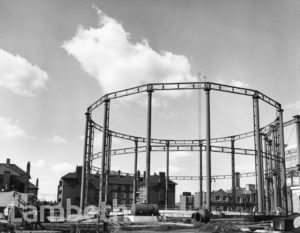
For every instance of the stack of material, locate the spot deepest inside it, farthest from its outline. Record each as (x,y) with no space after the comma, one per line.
(221,226)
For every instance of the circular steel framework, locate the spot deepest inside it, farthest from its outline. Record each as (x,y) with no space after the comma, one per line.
(268,146)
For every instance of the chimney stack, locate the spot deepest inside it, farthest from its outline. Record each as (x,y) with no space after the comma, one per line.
(28,169)
(37,183)
(237,180)
(7,161)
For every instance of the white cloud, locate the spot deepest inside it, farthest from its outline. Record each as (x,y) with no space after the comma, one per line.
(39,163)
(62,168)
(237,83)
(10,130)
(107,54)
(295,105)
(19,76)
(58,140)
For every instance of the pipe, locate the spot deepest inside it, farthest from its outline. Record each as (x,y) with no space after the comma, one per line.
(258,154)
(102,175)
(148,146)
(201,176)
(233,174)
(135,171)
(297,118)
(167,175)
(208,150)
(283,169)
(83,172)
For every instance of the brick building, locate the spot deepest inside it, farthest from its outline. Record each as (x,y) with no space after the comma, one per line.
(14,178)
(120,189)
(222,200)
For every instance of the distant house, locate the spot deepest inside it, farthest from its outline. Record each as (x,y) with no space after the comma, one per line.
(157,190)
(219,200)
(186,201)
(223,201)
(120,189)
(13,178)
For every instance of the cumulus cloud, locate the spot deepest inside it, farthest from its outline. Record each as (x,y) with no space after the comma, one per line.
(58,140)
(19,76)
(62,168)
(10,130)
(39,163)
(108,55)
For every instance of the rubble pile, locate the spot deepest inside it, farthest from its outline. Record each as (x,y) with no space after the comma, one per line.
(221,226)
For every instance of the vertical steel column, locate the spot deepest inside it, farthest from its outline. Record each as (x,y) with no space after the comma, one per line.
(262,173)
(258,153)
(291,193)
(271,174)
(283,186)
(135,170)
(208,149)
(267,200)
(167,175)
(83,173)
(104,133)
(88,166)
(297,121)
(270,182)
(107,164)
(200,176)
(274,169)
(233,173)
(148,146)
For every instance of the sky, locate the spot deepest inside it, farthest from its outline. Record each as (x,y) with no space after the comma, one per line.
(58,57)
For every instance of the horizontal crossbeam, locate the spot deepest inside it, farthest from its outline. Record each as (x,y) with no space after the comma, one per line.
(184,86)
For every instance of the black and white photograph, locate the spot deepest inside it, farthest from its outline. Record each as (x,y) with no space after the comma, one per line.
(149,116)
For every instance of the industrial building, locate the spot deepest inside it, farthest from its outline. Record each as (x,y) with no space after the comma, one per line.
(119,192)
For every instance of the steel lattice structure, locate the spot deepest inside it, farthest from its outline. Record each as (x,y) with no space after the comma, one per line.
(268,149)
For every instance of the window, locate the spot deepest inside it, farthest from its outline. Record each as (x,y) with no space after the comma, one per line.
(115,187)
(131,188)
(123,195)
(239,199)
(96,193)
(130,195)
(115,195)
(224,198)
(123,187)
(218,198)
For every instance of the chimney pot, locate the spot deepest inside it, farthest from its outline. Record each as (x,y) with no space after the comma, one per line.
(7,161)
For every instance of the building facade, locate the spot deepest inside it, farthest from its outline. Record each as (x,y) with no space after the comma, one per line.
(13,178)
(119,192)
(223,201)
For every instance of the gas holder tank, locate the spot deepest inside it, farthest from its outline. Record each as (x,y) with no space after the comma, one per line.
(144,209)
